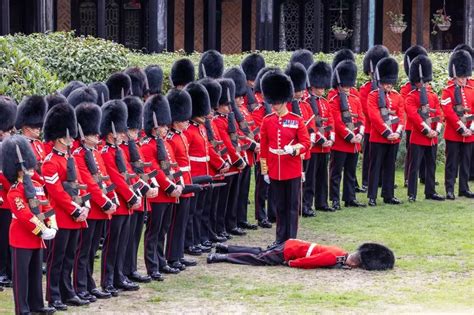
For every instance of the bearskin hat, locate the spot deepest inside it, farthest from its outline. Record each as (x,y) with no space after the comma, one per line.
(251,65)
(135,112)
(277,87)
(11,164)
(119,83)
(113,111)
(238,76)
(297,74)
(200,99)
(31,112)
(158,105)
(410,54)
(257,87)
(81,95)
(347,71)
(226,85)
(139,81)
(55,99)
(71,86)
(461,60)
(374,54)
(303,56)
(59,119)
(341,55)
(180,105)
(8,109)
(426,67)
(466,48)
(214,90)
(182,72)
(388,70)
(319,75)
(154,75)
(375,256)
(213,64)
(88,116)
(102,92)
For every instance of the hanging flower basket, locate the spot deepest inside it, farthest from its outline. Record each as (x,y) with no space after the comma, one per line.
(341,32)
(340,35)
(441,20)
(397,25)
(398,29)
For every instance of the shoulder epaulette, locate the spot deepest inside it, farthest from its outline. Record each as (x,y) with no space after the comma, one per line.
(77,150)
(269,115)
(170,135)
(105,148)
(48,157)
(334,96)
(377,90)
(146,140)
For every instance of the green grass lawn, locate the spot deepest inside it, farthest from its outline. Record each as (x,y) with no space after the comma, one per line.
(433,243)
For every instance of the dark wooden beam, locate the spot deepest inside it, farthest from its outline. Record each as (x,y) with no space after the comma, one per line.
(379,16)
(419,21)
(75,24)
(4,17)
(406,36)
(259,42)
(246,25)
(153,26)
(317,40)
(364,25)
(170,26)
(211,24)
(189,26)
(100,19)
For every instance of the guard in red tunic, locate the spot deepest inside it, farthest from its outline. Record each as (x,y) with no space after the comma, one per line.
(154,75)
(458,105)
(211,65)
(102,92)
(284,138)
(119,85)
(82,95)
(182,73)
(303,56)
(251,65)
(387,115)
(424,114)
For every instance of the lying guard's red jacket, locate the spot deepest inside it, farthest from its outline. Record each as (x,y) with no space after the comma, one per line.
(453,130)
(301,254)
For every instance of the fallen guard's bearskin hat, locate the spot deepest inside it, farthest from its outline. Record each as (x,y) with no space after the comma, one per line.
(58,120)
(467,48)
(277,87)
(375,257)
(118,83)
(11,164)
(102,92)
(388,70)
(238,76)
(347,71)
(180,105)
(303,56)
(55,99)
(71,86)
(113,111)
(31,112)
(410,54)
(226,85)
(214,90)
(134,111)
(182,72)
(82,95)
(159,106)
(319,75)
(426,67)
(88,115)
(297,74)
(8,109)
(251,65)
(213,64)
(139,81)
(257,87)
(154,74)
(201,105)
(374,54)
(462,61)
(341,55)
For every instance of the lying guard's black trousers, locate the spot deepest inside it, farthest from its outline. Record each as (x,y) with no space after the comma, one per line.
(193,226)
(382,157)
(135,235)
(5,254)
(27,280)
(428,153)
(159,220)
(342,162)
(316,184)
(255,256)
(458,157)
(175,239)
(242,203)
(287,194)
(262,192)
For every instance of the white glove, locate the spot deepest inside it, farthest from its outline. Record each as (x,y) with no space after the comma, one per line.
(303,177)
(312,137)
(48,234)
(266,178)
(289,149)
(137,204)
(152,193)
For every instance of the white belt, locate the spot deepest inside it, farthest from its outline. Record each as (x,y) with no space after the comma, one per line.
(310,249)
(277,151)
(199,158)
(185,169)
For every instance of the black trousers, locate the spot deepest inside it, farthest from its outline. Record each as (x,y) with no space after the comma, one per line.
(136,229)
(287,194)
(366,160)
(223,202)
(256,256)
(458,158)
(60,264)
(471,176)
(419,152)
(232,202)
(342,162)
(408,157)
(193,226)
(5,254)
(114,250)
(316,184)
(27,280)
(215,211)
(157,226)
(206,229)
(242,201)
(175,239)
(382,156)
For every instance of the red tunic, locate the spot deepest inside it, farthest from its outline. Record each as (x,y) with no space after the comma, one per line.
(198,149)
(324,112)
(252,126)
(179,143)
(40,154)
(308,119)
(301,254)
(3,192)
(222,125)
(364,92)
(404,91)
(452,120)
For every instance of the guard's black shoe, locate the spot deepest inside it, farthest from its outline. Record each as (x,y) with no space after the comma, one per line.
(216,258)
(218,239)
(136,277)
(193,251)
(226,235)
(467,194)
(392,201)
(372,202)
(110,289)
(100,294)
(177,265)
(188,262)
(265,224)
(58,305)
(222,249)
(204,249)
(436,197)
(326,208)
(45,310)
(77,301)
(237,231)
(272,220)
(156,276)
(411,199)
(362,189)
(247,226)
(450,196)
(169,270)
(336,205)
(127,286)
(354,203)
(86,296)
(5,281)
(308,213)
(207,244)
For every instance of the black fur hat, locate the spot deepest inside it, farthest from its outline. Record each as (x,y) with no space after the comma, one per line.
(159,105)
(55,99)
(462,61)
(214,90)
(180,105)
(388,70)
(375,257)
(154,74)
(297,74)
(303,56)
(139,81)
(31,112)
(341,55)
(257,85)
(251,65)
(238,76)
(374,54)
(347,70)
(113,111)
(8,109)
(319,75)
(200,99)
(88,116)
(60,118)
(410,54)
(117,83)
(182,72)
(71,86)
(102,92)
(226,85)
(11,164)
(81,95)
(135,112)
(213,63)
(277,87)
(467,48)
(426,67)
